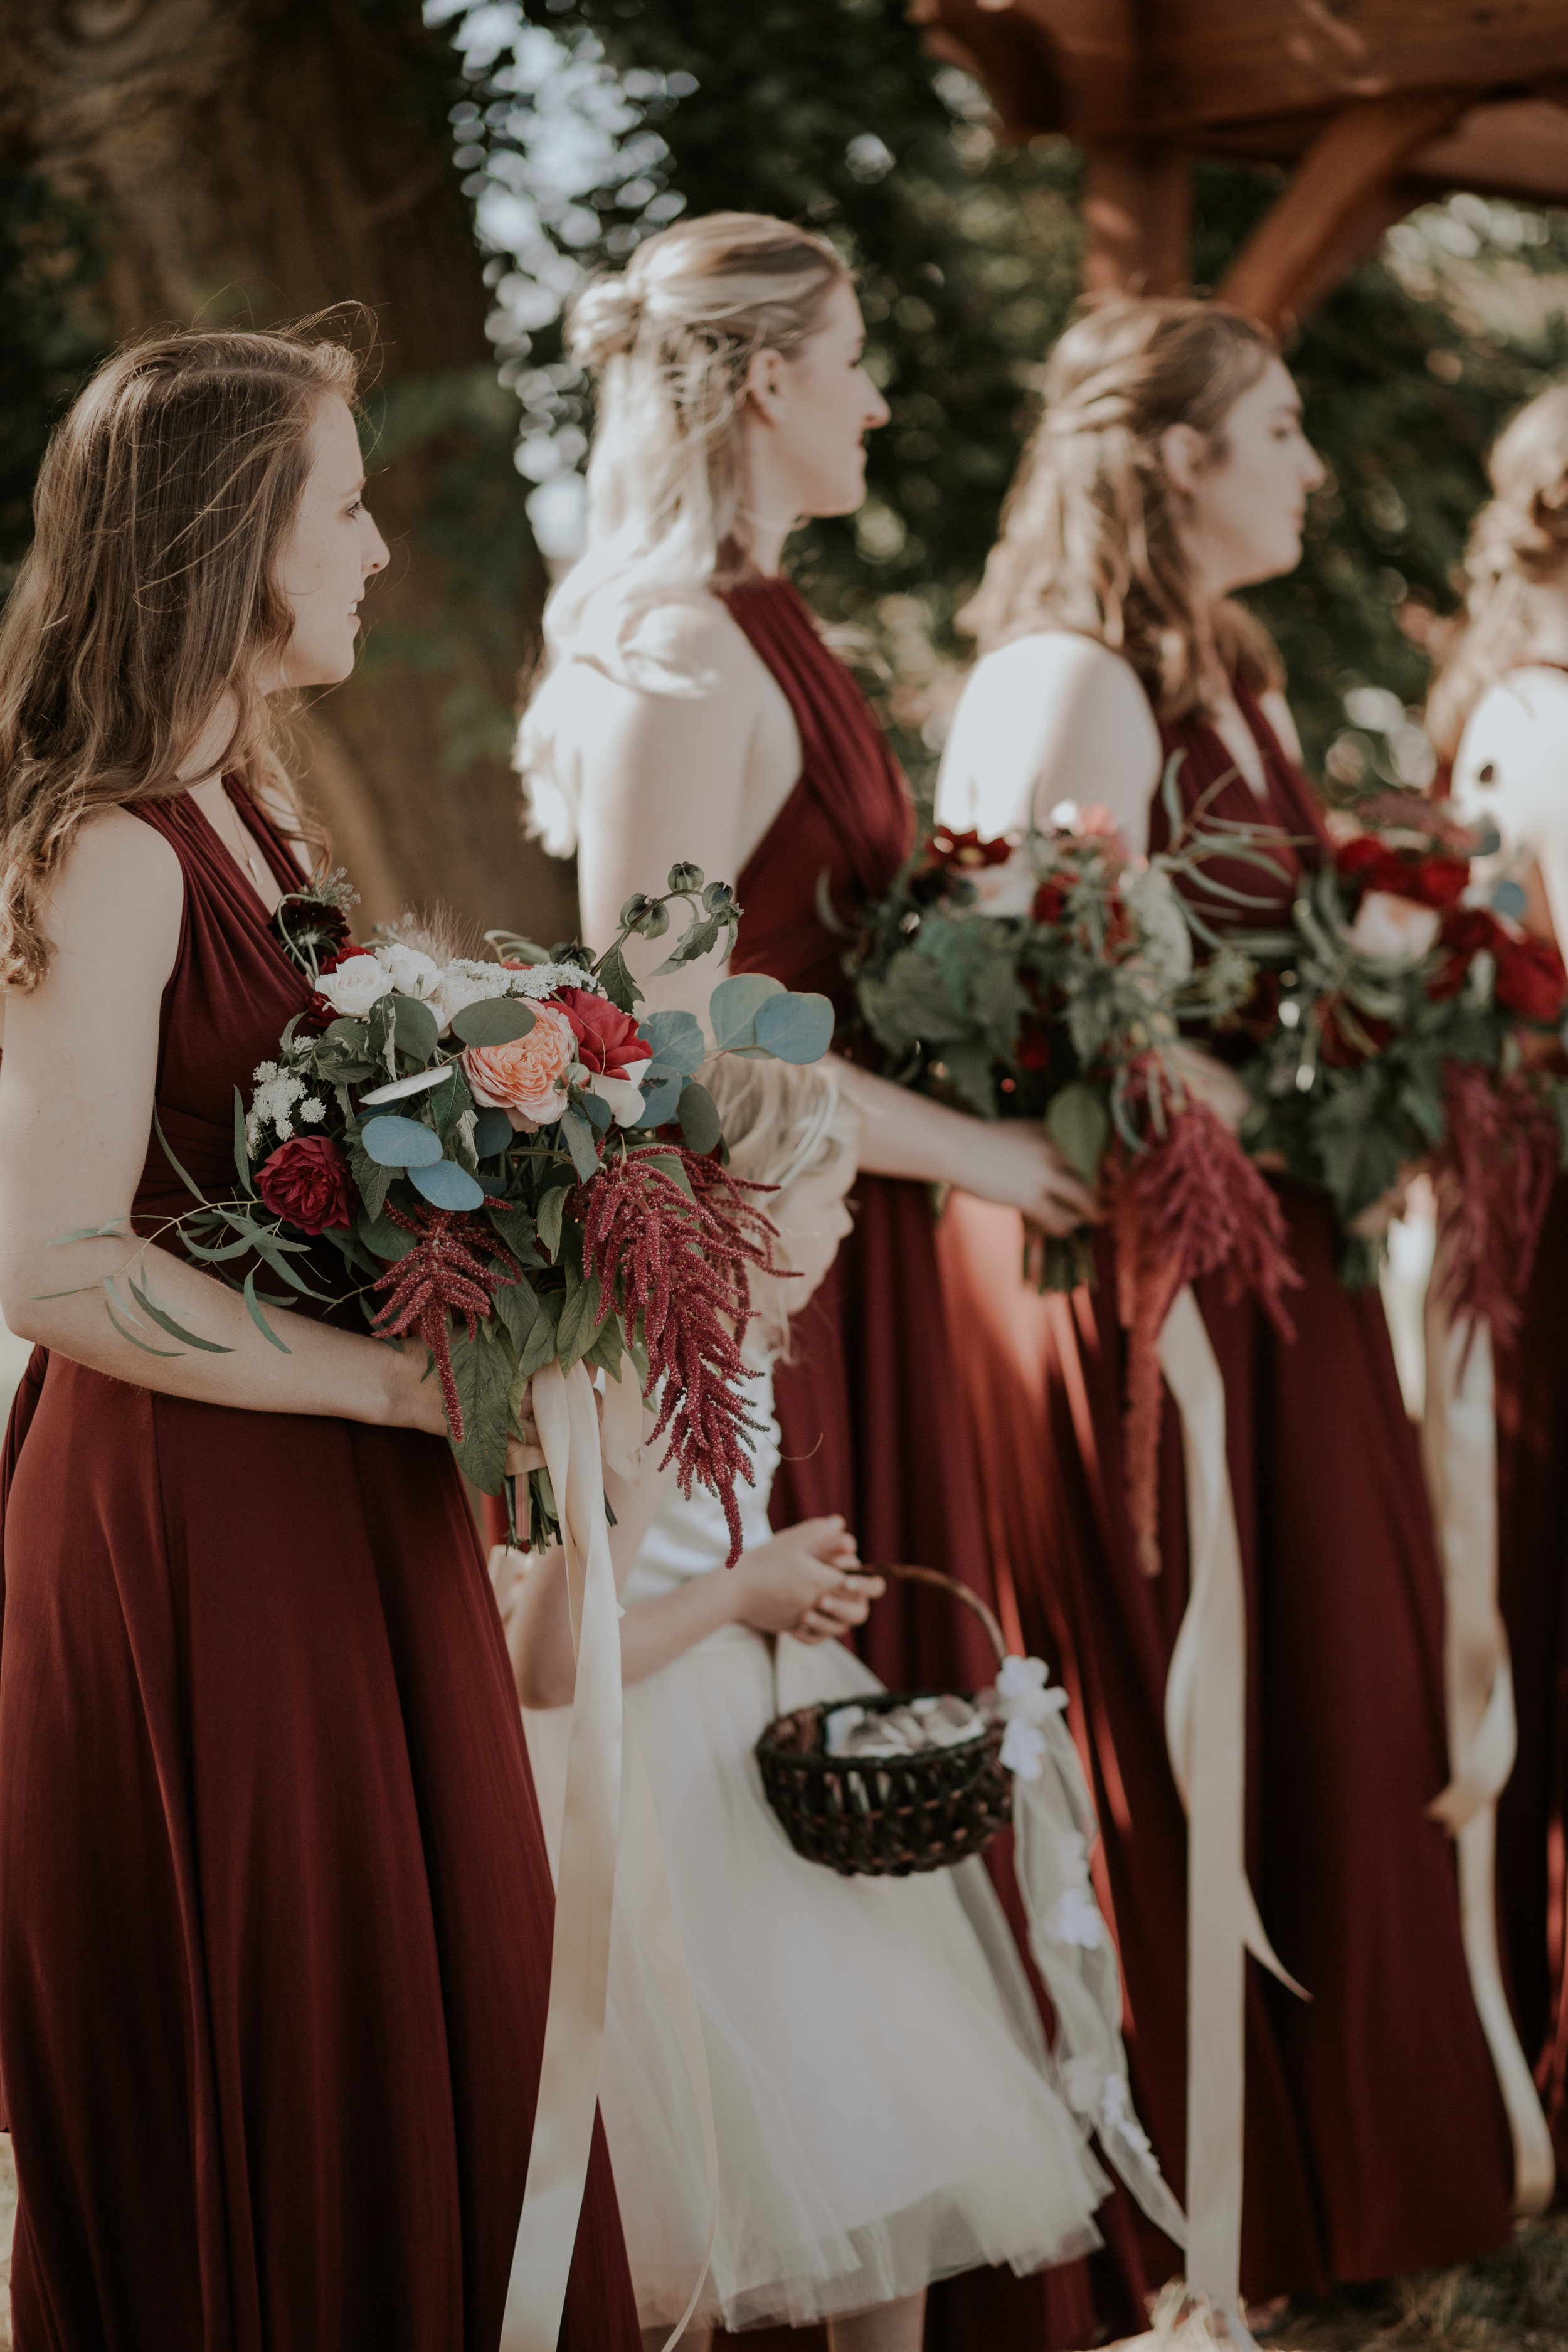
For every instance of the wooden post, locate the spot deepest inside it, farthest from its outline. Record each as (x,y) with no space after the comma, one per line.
(1137,208)
(1338,203)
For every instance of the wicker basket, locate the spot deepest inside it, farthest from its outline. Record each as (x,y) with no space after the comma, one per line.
(884,1816)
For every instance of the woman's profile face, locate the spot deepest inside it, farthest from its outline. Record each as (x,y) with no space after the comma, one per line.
(1243,521)
(329,555)
(812,411)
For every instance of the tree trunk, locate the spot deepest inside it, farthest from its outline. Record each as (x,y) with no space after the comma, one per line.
(252,160)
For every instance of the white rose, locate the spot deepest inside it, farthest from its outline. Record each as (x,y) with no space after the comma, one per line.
(412,972)
(1396,930)
(358,982)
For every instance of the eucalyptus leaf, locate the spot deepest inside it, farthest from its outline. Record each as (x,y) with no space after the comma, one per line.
(414,1027)
(492,1133)
(241,1146)
(110,1296)
(734,1004)
(394,1142)
(495,1021)
(446,1186)
(793,1027)
(660,1099)
(674,1040)
(599,1113)
(700,1125)
(141,1293)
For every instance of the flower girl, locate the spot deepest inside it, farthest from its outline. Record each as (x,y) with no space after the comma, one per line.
(886,2110)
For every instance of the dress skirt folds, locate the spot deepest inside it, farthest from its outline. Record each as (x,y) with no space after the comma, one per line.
(275,1913)
(1375,2138)
(869,1402)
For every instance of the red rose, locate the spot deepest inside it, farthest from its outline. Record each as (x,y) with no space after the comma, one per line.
(1465,931)
(607,1040)
(307,1180)
(1531,980)
(1050,903)
(960,850)
(1436,881)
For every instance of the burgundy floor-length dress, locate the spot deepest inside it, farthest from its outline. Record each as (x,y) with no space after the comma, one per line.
(1376,2138)
(868,1403)
(275,1914)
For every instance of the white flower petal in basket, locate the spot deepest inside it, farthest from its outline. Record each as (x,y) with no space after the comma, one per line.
(417,1085)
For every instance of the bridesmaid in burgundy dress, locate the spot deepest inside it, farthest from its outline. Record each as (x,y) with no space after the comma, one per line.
(692,711)
(275,1915)
(1169,467)
(1500,713)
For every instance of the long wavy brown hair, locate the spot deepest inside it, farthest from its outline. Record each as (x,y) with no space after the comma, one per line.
(1091,538)
(1518,539)
(150,591)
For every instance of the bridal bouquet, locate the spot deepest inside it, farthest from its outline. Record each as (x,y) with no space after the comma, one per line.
(509,1166)
(1403,1019)
(1047,978)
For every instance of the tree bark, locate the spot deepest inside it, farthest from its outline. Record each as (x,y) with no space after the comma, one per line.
(253,160)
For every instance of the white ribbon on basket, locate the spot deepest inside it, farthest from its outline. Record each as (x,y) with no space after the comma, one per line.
(1206,1733)
(1460,1453)
(566,1415)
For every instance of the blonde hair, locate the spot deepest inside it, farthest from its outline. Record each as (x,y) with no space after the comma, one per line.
(780,1123)
(671,339)
(1090,530)
(150,591)
(1518,539)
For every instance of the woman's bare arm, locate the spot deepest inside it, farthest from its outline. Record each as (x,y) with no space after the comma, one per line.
(75,1099)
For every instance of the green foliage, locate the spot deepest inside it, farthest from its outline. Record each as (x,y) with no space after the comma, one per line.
(50,338)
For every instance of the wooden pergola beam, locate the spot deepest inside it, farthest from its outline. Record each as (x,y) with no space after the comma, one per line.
(1138,211)
(1336,205)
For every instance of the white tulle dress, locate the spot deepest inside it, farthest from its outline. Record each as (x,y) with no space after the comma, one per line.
(886,2110)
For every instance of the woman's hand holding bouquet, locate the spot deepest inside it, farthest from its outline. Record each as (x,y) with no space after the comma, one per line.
(495,1157)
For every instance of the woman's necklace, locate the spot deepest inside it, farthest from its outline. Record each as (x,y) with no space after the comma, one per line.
(242,844)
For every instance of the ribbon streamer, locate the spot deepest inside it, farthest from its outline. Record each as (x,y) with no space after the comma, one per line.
(1459,1453)
(567,1421)
(1206,1733)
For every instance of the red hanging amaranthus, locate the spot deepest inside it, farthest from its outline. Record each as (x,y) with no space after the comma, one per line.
(1193,1204)
(677,1260)
(446,1273)
(1494,1177)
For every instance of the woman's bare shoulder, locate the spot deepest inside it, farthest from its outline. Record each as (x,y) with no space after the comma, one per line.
(1042,716)
(120,879)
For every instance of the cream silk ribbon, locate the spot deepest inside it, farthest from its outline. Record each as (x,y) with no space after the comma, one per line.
(1206,1733)
(566,1416)
(1460,1451)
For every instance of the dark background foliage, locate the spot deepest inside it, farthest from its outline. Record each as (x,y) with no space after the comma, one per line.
(830,111)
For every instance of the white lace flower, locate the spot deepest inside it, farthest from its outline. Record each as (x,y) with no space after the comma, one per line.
(542,979)
(263,1071)
(1075,1919)
(312,1109)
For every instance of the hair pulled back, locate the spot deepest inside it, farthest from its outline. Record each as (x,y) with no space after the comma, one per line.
(671,339)
(1091,536)
(1518,539)
(151,591)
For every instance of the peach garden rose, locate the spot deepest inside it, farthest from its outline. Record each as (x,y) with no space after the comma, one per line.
(527,1076)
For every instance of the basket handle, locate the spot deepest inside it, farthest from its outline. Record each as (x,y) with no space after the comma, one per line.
(987,1615)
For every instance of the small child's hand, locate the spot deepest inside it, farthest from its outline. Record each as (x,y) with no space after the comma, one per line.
(803,1584)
